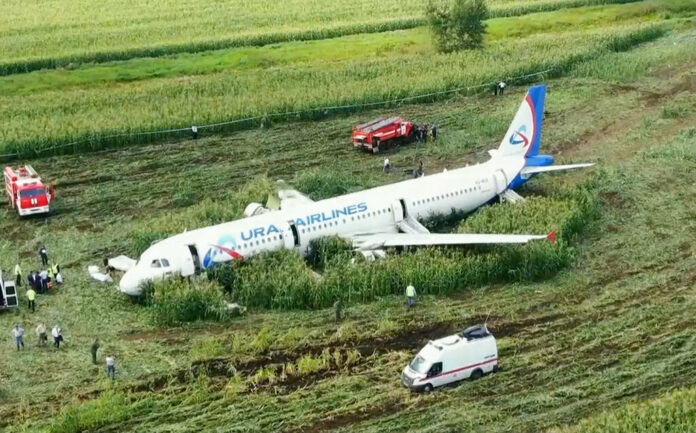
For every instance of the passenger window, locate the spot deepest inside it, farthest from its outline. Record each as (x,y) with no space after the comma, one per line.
(156,264)
(165,263)
(435,369)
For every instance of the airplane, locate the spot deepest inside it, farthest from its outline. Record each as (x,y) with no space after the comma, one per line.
(373,219)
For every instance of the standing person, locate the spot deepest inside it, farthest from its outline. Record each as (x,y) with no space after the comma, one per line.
(44,255)
(18,334)
(111,366)
(93,349)
(43,281)
(434,129)
(31,297)
(41,333)
(338,306)
(501,88)
(57,334)
(386,166)
(31,279)
(410,295)
(18,275)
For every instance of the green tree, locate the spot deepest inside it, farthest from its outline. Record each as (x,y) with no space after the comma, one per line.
(457,24)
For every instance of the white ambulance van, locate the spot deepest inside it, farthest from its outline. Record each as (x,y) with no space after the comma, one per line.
(469,354)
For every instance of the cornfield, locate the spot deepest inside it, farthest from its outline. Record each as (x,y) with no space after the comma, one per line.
(84,31)
(282,280)
(40,121)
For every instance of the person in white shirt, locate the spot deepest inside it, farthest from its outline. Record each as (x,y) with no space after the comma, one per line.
(57,334)
(111,366)
(18,334)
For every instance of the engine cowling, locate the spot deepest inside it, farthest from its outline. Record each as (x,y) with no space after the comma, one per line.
(253,209)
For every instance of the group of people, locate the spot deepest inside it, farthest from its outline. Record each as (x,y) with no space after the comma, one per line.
(42,338)
(57,334)
(39,281)
(425,132)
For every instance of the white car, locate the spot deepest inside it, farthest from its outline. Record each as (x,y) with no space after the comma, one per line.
(469,354)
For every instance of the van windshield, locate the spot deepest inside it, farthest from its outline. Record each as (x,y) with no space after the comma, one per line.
(418,364)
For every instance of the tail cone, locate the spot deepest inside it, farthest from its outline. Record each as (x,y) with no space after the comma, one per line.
(551,236)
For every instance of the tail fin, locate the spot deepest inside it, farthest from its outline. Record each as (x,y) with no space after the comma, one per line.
(524,134)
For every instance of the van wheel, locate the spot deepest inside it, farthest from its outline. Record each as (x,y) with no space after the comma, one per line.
(428,388)
(476,374)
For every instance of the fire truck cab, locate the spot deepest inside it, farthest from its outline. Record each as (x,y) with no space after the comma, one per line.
(26,192)
(379,131)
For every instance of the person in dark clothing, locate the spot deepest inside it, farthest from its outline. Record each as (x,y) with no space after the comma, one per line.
(338,307)
(44,255)
(94,349)
(31,278)
(434,129)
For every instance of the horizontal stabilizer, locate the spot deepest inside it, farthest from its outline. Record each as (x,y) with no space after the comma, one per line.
(371,242)
(533,170)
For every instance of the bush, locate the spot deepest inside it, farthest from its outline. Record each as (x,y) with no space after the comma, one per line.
(176,302)
(457,24)
(326,250)
(278,279)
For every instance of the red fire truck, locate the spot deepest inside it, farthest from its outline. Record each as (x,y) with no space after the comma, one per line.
(372,135)
(26,192)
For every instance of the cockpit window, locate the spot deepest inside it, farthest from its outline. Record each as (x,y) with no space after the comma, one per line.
(156,264)
(165,263)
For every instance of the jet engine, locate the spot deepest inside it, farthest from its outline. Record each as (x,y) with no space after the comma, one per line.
(254,209)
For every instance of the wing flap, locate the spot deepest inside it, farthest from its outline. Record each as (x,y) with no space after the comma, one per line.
(370,242)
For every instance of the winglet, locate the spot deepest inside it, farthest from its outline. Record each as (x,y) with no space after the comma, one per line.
(551,236)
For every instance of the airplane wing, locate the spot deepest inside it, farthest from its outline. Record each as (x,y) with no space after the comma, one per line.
(532,170)
(372,242)
(290,198)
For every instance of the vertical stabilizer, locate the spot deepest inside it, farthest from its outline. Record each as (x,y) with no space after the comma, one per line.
(523,136)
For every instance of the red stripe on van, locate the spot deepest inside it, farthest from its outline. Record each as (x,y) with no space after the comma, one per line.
(460,369)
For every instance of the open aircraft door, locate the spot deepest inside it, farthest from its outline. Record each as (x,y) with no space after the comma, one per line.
(500,181)
(187,254)
(291,236)
(398,211)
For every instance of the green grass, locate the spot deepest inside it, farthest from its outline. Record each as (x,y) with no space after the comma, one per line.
(82,32)
(41,120)
(357,47)
(612,329)
(673,412)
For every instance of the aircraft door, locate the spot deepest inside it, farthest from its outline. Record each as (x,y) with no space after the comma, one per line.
(291,237)
(398,211)
(500,181)
(187,255)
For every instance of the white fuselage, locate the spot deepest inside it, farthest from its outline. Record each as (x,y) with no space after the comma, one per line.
(376,210)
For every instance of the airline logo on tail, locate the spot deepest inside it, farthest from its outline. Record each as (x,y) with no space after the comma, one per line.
(519,137)
(522,137)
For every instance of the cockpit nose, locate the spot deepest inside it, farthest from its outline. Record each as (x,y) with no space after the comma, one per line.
(130,283)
